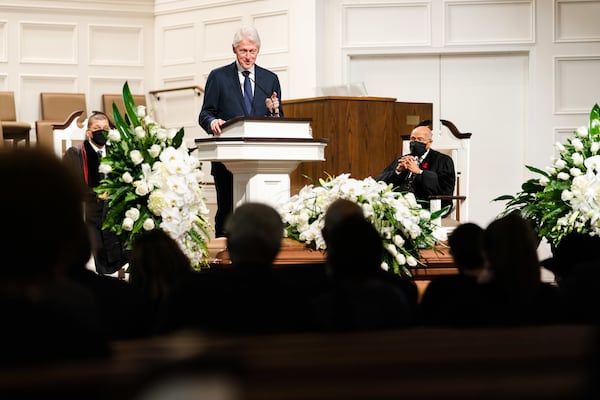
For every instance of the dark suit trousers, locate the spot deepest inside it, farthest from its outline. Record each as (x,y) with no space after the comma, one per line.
(224,188)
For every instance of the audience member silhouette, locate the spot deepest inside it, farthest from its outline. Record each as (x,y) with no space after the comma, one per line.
(341,209)
(576,267)
(123,310)
(515,294)
(247,297)
(45,315)
(359,298)
(156,266)
(452,300)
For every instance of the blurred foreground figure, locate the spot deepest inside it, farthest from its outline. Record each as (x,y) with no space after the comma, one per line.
(45,315)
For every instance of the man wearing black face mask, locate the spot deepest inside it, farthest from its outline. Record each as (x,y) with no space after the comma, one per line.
(107,249)
(424,172)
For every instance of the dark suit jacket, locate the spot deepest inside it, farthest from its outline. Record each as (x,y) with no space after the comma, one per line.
(74,158)
(108,249)
(438,177)
(223,97)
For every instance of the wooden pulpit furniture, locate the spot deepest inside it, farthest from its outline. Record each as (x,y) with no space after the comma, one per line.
(260,153)
(364,133)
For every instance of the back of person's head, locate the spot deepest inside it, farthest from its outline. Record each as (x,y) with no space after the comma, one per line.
(338,211)
(510,249)
(354,248)
(254,234)
(42,213)
(574,249)
(156,263)
(465,246)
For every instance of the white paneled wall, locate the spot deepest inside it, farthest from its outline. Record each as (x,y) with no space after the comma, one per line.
(74,46)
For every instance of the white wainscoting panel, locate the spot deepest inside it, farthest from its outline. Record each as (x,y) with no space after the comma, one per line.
(48,43)
(577,84)
(386,24)
(489,22)
(3,41)
(217,36)
(577,21)
(274,26)
(116,45)
(177,41)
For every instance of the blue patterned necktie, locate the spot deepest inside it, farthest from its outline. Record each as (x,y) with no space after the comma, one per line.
(247,92)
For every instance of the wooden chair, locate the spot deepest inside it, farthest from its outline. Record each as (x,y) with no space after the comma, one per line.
(11,128)
(109,99)
(68,134)
(56,109)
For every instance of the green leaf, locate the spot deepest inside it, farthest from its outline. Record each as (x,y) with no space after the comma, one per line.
(130,107)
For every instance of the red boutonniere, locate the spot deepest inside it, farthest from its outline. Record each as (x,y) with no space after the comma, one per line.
(424,165)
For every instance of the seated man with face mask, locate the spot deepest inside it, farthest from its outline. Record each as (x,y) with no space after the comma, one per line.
(424,172)
(107,249)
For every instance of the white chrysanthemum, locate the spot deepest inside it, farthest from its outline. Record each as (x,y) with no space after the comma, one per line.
(114,136)
(566,195)
(577,144)
(141,188)
(140,111)
(563,176)
(127,224)
(136,157)
(140,132)
(126,177)
(105,168)
(154,150)
(399,241)
(148,224)
(582,131)
(401,259)
(157,202)
(133,213)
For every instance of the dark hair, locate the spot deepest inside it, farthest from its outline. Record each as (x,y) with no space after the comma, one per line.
(354,248)
(42,212)
(254,234)
(156,263)
(510,246)
(465,246)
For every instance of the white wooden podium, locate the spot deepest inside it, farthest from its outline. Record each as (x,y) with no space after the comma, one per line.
(261,152)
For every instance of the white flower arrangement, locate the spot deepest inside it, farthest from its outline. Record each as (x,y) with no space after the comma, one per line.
(566,198)
(405,227)
(152,182)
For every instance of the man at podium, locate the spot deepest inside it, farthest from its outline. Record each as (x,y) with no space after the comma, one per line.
(241,88)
